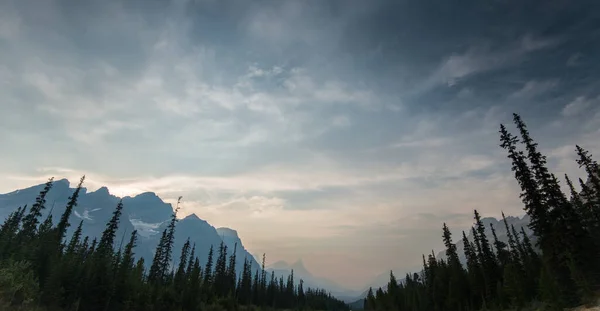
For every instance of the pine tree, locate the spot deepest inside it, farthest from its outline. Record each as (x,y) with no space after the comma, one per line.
(245,291)
(530,195)
(31,221)
(592,169)
(256,289)
(183,264)
(301,297)
(486,257)
(221,278)
(451,252)
(475,275)
(156,274)
(272,290)
(63,224)
(105,246)
(75,239)
(208,275)
(169,241)
(190,267)
(9,231)
(502,253)
(567,232)
(231,273)
(125,272)
(263,281)
(512,243)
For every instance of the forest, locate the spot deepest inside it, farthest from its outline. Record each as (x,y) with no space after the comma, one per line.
(560,270)
(559,267)
(41,270)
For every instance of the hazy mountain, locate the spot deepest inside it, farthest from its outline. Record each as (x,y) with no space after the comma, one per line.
(282,268)
(358,304)
(150,215)
(145,212)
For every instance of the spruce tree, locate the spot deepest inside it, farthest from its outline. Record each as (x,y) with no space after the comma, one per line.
(156,273)
(208,275)
(31,220)
(182,267)
(475,276)
(75,239)
(592,169)
(192,258)
(231,273)
(486,258)
(502,253)
(63,224)
(530,195)
(105,246)
(221,278)
(512,243)
(169,241)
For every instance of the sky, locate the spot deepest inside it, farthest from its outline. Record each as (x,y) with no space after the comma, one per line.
(342,133)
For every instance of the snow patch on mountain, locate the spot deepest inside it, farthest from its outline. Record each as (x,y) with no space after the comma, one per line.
(145,229)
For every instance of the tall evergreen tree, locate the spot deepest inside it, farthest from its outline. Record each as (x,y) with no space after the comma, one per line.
(63,224)
(156,273)
(231,273)
(180,275)
(530,195)
(106,244)
(502,253)
(208,269)
(169,241)
(31,220)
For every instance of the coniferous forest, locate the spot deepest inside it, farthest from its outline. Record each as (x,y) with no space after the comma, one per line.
(40,268)
(558,267)
(561,269)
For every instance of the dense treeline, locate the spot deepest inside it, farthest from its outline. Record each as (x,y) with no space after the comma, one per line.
(563,270)
(38,266)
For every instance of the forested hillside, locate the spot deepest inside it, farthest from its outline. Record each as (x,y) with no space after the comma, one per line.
(40,267)
(561,269)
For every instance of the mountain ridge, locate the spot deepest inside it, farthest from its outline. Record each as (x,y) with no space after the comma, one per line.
(145,212)
(149,215)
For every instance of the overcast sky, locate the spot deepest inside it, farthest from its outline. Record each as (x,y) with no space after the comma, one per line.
(340,132)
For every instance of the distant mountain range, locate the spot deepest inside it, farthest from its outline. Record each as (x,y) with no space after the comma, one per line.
(282,268)
(149,214)
(145,212)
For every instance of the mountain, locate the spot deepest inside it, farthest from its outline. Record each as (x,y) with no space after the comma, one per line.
(147,207)
(146,212)
(283,269)
(359,304)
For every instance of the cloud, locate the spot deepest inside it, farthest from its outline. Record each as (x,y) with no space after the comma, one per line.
(10,24)
(323,131)
(534,88)
(574,60)
(483,58)
(577,106)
